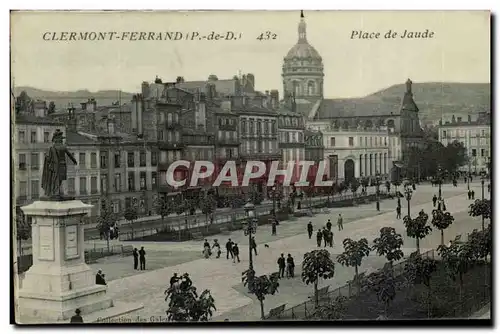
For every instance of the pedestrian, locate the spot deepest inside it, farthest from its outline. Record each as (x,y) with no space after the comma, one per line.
(206,244)
(469,194)
(434,200)
(398,212)
(340,222)
(99,278)
(174,279)
(310,229)
(136,258)
(329,225)
(76,318)
(465,179)
(472,194)
(236,253)
(290,266)
(330,238)
(253,245)
(319,236)
(326,234)
(217,248)
(273,228)
(229,249)
(142,258)
(281,266)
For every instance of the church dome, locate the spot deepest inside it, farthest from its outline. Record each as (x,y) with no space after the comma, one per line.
(303,50)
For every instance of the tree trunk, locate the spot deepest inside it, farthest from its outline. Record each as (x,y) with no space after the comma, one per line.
(442,237)
(429,302)
(107,241)
(316,297)
(418,245)
(262,315)
(356,278)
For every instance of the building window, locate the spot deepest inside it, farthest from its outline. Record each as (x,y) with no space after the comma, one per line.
(83,186)
(130,159)
(35,186)
(482,152)
(131,181)
(153,180)
(142,159)
(142,179)
(273,127)
(71,186)
(371,141)
(154,158)
(351,141)
(46,135)
(104,160)
(22,161)
(93,160)
(366,141)
(81,160)
(34,161)
(128,202)
(473,152)
(444,134)
(93,184)
(104,183)
(21,137)
(117,159)
(33,137)
(116,207)
(23,189)
(118,182)
(160,134)
(332,141)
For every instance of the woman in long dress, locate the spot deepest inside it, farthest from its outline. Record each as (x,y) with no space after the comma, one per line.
(206,252)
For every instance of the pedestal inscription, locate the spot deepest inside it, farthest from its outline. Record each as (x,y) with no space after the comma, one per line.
(46,237)
(71,242)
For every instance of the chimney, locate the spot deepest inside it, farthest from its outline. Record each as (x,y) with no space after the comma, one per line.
(91,104)
(71,118)
(251,80)
(408,86)
(179,79)
(145,89)
(84,105)
(275,98)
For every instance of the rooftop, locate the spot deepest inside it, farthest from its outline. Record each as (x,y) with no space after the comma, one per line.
(31,119)
(74,138)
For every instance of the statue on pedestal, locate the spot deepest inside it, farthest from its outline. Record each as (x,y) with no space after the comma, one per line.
(54,167)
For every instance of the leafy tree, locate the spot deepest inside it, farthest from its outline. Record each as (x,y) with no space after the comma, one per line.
(389,244)
(184,303)
(481,208)
(354,185)
(130,214)
(208,206)
(163,207)
(24,103)
(256,197)
(23,230)
(417,228)
(481,243)
(354,252)
(458,257)
(317,264)
(419,270)
(334,310)
(106,220)
(384,285)
(454,156)
(364,183)
(261,287)
(441,220)
(52,108)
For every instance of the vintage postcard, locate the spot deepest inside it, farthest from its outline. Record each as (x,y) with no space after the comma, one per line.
(229,166)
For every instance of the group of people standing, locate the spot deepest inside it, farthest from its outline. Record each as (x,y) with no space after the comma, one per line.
(286,267)
(325,234)
(139,258)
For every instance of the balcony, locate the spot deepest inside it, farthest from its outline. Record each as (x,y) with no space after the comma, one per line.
(291,145)
(228,141)
(260,156)
(292,126)
(22,166)
(228,127)
(173,126)
(163,145)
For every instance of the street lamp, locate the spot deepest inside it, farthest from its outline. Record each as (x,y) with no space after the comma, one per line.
(377,185)
(482,197)
(249,228)
(440,179)
(273,194)
(408,194)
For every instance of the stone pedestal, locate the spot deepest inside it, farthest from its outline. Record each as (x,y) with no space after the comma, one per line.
(59,281)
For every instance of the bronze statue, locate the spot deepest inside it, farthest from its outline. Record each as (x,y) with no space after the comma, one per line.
(54,167)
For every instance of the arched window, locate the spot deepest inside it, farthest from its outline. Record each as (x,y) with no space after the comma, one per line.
(311,88)
(296,88)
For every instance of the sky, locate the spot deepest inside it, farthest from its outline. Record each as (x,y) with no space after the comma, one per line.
(458,52)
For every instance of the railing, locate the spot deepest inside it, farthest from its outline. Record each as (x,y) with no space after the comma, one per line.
(306,309)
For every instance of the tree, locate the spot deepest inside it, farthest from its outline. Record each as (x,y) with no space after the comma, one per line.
(417,228)
(23,230)
(389,244)
(106,220)
(481,208)
(419,270)
(441,220)
(24,103)
(317,264)
(130,214)
(458,257)
(334,310)
(354,252)
(354,185)
(208,206)
(52,108)
(261,287)
(164,207)
(185,304)
(384,285)
(454,156)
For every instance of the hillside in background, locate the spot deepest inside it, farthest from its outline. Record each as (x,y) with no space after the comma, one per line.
(61,99)
(435,98)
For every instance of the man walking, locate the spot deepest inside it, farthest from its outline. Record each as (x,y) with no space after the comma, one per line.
(254,245)
(319,236)
(340,222)
(76,318)
(273,227)
(398,212)
(330,238)
(229,249)
(136,258)
(291,266)
(434,200)
(236,253)
(281,266)
(310,229)
(142,258)
(326,234)
(329,225)
(472,194)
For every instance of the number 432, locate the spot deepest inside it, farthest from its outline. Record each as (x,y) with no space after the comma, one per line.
(265,36)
